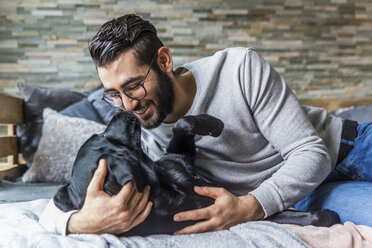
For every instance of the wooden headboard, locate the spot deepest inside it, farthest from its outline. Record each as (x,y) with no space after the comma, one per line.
(11,113)
(331,104)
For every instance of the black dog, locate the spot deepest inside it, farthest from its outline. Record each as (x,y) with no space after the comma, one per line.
(171,178)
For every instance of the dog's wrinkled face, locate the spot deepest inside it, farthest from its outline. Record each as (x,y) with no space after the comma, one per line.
(123,153)
(124,128)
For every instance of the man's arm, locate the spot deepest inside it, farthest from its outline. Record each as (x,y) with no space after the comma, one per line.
(101,213)
(283,122)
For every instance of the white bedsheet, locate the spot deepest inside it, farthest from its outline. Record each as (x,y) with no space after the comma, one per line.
(19,227)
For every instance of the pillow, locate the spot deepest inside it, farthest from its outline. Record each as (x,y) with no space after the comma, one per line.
(105,110)
(37,98)
(83,109)
(61,138)
(28,139)
(360,114)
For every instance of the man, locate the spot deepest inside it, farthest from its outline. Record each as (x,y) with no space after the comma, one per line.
(269,155)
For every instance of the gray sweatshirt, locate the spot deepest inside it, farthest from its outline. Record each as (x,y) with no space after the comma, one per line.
(269,146)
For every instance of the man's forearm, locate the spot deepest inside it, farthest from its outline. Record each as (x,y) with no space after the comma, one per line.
(254,208)
(292,181)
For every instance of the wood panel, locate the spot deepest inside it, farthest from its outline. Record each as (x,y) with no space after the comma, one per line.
(8,146)
(11,172)
(10,109)
(332,104)
(13,158)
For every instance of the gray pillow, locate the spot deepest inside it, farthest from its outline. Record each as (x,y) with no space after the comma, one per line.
(61,138)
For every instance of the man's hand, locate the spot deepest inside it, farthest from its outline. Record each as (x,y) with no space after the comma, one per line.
(102,213)
(228,210)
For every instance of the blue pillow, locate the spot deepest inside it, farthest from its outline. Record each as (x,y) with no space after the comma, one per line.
(83,109)
(105,111)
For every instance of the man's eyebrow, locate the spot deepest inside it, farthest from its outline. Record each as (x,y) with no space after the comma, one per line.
(126,82)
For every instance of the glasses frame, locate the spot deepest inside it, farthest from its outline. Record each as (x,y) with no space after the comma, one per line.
(141,84)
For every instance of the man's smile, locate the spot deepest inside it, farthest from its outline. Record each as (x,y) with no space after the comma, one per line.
(143,111)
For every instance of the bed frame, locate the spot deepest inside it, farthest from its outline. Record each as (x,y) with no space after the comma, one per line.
(11,114)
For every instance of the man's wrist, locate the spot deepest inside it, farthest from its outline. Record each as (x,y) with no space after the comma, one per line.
(72,227)
(255,210)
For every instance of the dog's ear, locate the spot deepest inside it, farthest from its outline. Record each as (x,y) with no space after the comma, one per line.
(124,128)
(125,166)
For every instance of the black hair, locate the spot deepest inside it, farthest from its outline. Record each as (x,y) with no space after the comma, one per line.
(122,33)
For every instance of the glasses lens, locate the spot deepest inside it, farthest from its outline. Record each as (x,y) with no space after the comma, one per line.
(113,100)
(135,91)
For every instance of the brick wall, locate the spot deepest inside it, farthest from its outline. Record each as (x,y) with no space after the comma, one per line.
(323,48)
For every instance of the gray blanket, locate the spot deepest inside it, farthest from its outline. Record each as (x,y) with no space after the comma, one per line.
(19,191)
(19,227)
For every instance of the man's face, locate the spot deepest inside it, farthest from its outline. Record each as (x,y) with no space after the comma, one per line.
(158,102)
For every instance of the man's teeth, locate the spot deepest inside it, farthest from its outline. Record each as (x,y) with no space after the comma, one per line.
(141,111)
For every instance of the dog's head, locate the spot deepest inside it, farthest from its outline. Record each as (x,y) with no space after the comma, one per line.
(124,128)
(122,139)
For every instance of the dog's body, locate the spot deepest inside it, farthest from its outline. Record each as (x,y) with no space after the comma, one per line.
(171,178)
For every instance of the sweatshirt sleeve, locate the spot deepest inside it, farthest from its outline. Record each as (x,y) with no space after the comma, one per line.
(283,122)
(55,220)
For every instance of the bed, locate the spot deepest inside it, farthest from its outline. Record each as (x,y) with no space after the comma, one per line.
(24,194)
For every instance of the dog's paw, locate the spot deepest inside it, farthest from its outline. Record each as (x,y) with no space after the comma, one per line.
(326,218)
(202,124)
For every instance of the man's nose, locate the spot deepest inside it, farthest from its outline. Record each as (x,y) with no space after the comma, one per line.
(129,104)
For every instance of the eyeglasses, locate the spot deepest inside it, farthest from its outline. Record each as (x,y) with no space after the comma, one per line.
(135,91)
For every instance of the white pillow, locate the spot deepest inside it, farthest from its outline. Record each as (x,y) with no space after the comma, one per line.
(61,139)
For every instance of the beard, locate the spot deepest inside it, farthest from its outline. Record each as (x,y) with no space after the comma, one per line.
(165,95)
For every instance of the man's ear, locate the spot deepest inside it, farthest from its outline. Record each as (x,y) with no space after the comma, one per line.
(165,60)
